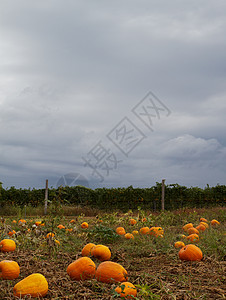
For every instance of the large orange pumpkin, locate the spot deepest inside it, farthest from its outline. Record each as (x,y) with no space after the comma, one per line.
(200,227)
(81,269)
(144,230)
(194,238)
(190,253)
(7,245)
(109,272)
(35,285)
(86,251)
(155,231)
(205,224)
(126,290)
(101,252)
(185,227)
(9,269)
(192,230)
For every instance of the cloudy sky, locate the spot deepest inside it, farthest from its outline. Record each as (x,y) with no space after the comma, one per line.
(112,93)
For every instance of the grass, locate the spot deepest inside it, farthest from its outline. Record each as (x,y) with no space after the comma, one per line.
(152,262)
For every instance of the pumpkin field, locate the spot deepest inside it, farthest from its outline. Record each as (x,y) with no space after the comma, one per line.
(138,254)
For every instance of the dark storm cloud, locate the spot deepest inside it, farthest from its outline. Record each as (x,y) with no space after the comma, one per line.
(70,71)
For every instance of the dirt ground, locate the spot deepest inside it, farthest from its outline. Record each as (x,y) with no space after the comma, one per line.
(159,277)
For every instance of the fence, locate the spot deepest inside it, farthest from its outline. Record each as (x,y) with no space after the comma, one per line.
(176,197)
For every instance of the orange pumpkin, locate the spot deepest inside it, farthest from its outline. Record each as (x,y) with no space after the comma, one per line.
(50,235)
(84,225)
(72,221)
(192,230)
(190,253)
(7,245)
(126,290)
(215,223)
(132,222)
(200,227)
(101,252)
(144,220)
(109,272)
(203,220)
(144,230)
(121,230)
(194,238)
(205,224)
(81,269)
(185,227)
(129,236)
(179,244)
(10,233)
(135,232)
(22,221)
(156,231)
(86,251)
(9,269)
(61,226)
(35,285)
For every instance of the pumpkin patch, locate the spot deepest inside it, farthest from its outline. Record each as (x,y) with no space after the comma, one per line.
(110,259)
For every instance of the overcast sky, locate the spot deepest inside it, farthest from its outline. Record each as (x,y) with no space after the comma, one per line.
(112,93)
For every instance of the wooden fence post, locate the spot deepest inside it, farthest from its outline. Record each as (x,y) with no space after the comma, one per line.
(46,197)
(163,194)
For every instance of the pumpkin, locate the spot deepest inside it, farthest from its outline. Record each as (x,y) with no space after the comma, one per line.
(109,272)
(61,226)
(120,230)
(185,227)
(144,220)
(132,222)
(10,233)
(101,252)
(200,227)
(126,290)
(214,223)
(86,251)
(190,253)
(205,224)
(179,244)
(37,223)
(7,245)
(72,221)
(194,238)
(9,269)
(144,230)
(22,221)
(203,220)
(156,231)
(129,236)
(135,232)
(35,285)
(192,230)
(50,235)
(84,225)
(81,269)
